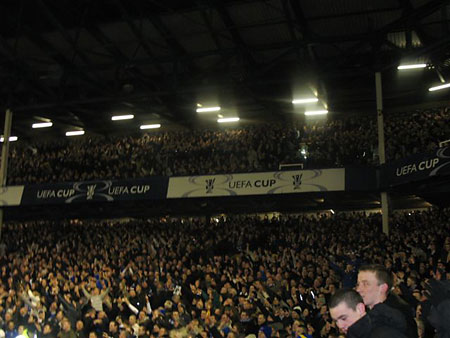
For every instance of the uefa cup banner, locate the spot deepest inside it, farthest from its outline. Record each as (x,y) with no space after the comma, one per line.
(96,191)
(417,167)
(266,183)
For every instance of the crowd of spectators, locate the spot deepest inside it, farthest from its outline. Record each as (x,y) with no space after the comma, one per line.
(333,143)
(232,276)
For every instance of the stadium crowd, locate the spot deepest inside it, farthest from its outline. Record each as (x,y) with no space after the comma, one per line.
(338,142)
(230,277)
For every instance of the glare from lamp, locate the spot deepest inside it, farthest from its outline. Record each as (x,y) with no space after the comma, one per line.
(11,138)
(413,66)
(307,100)
(150,126)
(316,112)
(122,117)
(207,109)
(42,125)
(75,133)
(228,119)
(432,89)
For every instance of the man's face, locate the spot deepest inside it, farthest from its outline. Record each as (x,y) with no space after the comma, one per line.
(368,288)
(346,316)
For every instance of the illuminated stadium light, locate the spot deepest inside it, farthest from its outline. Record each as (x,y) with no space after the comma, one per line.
(413,66)
(150,126)
(75,133)
(207,109)
(11,138)
(42,125)
(316,112)
(307,100)
(432,89)
(122,117)
(228,119)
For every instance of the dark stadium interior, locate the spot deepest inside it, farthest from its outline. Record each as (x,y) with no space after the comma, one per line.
(77,63)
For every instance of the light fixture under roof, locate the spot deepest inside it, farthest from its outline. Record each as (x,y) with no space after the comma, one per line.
(42,125)
(122,117)
(412,66)
(11,138)
(305,100)
(316,112)
(150,126)
(75,133)
(228,119)
(207,109)
(432,89)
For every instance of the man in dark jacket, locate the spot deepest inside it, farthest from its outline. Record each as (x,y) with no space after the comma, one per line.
(348,310)
(374,286)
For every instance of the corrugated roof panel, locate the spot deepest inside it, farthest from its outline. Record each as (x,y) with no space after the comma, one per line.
(418,3)
(266,56)
(28,50)
(185,23)
(328,51)
(118,31)
(265,35)
(255,13)
(208,61)
(353,24)
(190,30)
(197,43)
(436,16)
(315,8)
(58,42)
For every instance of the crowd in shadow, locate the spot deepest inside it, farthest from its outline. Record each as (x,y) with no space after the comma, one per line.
(232,276)
(320,144)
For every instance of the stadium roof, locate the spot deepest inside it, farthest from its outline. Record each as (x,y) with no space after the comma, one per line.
(77,63)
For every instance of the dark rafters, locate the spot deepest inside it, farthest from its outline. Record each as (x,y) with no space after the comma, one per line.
(99,86)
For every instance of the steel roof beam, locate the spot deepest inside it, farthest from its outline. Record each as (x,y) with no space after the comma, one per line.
(32,81)
(55,22)
(235,34)
(169,104)
(175,46)
(138,33)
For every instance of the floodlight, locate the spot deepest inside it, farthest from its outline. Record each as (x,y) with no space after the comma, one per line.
(150,126)
(413,66)
(11,138)
(316,112)
(41,125)
(207,109)
(122,117)
(75,133)
(228,119)
(432,89)
(306,100)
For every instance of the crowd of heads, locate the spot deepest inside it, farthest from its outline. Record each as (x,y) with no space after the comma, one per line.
(330,143)
(228,276)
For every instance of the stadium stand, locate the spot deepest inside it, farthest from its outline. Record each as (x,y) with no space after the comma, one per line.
(237,276)
(339,142)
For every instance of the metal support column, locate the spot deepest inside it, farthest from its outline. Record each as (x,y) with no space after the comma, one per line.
(381,150)
(4,160)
